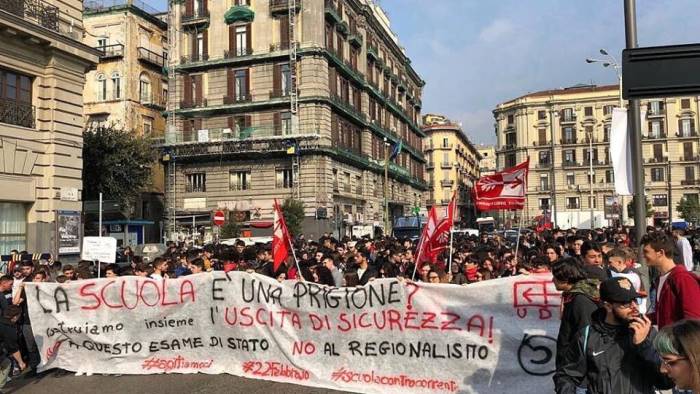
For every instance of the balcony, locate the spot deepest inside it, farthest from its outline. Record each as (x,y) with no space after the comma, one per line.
(543,165)
(282,6)
(446,182)
(429,166)
(279,93)
(332,13)
(687,134)
(355,39)
(195,17)
(568,164)
(658,159)
(151,57)
(16,113)
(372,53)
(655,136)
(444,146)
(197,57)
(445,165)
(193,104)
(690,182)
(567,119)
(568,141)
(542,188)
(111,51)
(690,158)
(542,143)
(238,98)
(239,52)
(36,11)
(656,112)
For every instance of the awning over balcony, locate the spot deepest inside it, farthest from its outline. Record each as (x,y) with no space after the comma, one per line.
(239,13)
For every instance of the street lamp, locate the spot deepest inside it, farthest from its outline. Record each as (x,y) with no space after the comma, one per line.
(386,187)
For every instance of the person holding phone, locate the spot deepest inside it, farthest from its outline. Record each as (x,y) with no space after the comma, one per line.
(614,354)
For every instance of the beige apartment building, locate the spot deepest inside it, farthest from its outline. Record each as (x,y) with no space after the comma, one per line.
(43,62)
(562,130)
(487,164)
(452,166)
(128,90)
(278,99)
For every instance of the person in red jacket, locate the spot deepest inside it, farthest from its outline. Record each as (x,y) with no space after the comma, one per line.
(676,291)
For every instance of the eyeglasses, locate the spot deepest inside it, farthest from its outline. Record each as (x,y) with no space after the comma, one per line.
(672,363)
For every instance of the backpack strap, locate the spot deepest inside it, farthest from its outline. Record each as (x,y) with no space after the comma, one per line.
(586,330)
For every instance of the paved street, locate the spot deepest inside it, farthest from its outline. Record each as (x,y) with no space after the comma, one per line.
(64,382)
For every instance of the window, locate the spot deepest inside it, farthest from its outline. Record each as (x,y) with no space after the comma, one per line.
(239,180)
(541,115)
(689,173)
(655,129)
(510,160)
(570,179)
(656,107)
(544,157)
(569,135)
(510,119)
(606,133)
(658,151)
(569,156)
(511,139)
(147,125)
(592,203)
(544,182)
(144,89)
(588,111)
(196,182)
(199,45)
(283,179)
(116,86)
(567,115)
(240,85)
(686,127)
(609,176)
(685,103)
(657,174)
(101,87)
(241,40)
(544,204)
(608,110)
(659,200)
(286,80)
(13,227)
(691,197)
(286,122)
(445,143)
(573,203)
(102,42)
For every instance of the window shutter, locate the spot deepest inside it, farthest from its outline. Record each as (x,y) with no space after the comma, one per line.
(680,126)
(205,45)
(248,121)
(189,7)
(188,89)
(230,81)
(232,40)
(194,54)
(247,89)
(277,123)
(332,81)
(199,89)
(276,79)
(284,33)
(198,123)
(205,6)
(186,125)
(230,123)
(249,38)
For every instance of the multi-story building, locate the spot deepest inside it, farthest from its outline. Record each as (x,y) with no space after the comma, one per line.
(565,131)
(452,165)
(42,71)
(128,90)
(487,165)
(302,99)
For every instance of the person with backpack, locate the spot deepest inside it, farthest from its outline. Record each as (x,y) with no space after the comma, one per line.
(615,353)
(676,291)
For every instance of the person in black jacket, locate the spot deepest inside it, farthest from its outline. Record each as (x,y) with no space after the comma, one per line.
(580,297)
(10,342)
(615,354)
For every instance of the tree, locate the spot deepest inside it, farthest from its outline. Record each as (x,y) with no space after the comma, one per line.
(689,209)
(630,208)
(231,229)
(116,163)
(293,211)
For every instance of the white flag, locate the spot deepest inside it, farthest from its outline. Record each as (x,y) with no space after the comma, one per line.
(621,153)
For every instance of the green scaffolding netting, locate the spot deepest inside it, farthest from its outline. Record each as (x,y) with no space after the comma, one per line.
(239,13)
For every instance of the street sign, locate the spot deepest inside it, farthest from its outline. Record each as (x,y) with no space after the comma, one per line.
(662,71)
(219,218)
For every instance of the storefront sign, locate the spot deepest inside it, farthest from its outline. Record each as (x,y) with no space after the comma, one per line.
(69,225)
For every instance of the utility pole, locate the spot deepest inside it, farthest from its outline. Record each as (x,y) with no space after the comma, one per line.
(590,176)
(386,187)
(633,123)
(553,202)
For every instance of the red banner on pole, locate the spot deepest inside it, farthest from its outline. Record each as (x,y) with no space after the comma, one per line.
(502,190)
(280,239)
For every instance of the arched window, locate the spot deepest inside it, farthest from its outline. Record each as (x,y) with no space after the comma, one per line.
(145,89)
(116,86)
(101,87)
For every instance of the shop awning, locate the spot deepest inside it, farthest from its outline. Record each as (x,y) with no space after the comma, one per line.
(239,13)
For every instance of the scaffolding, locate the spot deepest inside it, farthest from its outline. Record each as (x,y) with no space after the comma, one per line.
(293,95)
(171,125)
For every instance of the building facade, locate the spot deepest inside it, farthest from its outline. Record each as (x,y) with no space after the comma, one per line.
(487,164)
(452,166)
(128,90)
(566,131)
(42,72)
(302,99)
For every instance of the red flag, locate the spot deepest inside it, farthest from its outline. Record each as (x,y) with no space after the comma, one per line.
(436,236)
(281,240)
(502,190)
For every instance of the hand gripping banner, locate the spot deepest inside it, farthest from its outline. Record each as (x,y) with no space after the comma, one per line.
(387,337)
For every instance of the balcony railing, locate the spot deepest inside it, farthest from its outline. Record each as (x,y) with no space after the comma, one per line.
(546,164)
(687,134)
(194,58)
(655,136)
(446,182)
(332,13)
(568,141)
(690,182)
(695,158)
(111,51)
(18,114)
(238,98)
(151,57)
(239,52)
(282,6)
(193,104)
(658,159)
(541,143)
(37,11)
(445,164)
(570,164)
(197,15)
(429,166)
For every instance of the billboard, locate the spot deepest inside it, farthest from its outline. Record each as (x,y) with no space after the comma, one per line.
(69,232)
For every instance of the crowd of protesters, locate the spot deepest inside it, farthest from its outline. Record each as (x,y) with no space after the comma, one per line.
(598,272)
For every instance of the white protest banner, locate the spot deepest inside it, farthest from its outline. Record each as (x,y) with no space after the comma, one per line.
(387,337)
(102,249)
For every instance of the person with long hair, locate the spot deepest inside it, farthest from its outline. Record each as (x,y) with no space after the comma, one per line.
(679,347)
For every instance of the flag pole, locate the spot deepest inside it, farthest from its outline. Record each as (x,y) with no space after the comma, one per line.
(452,225)
(291,246)
(420,249)
(449,267)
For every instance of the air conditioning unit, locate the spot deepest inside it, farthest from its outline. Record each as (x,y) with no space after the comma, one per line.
(359,218)
(203,135)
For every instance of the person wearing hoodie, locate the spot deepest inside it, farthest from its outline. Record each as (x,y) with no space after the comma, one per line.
(579,299)
(615,353)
